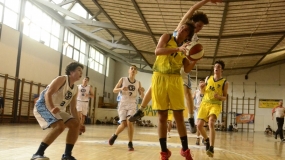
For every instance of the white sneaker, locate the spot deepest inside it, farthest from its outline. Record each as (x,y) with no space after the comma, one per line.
(168,135)
(39,157)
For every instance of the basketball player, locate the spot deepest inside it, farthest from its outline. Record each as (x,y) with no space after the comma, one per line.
(197,99)
(215,90)
(199,19)
(169,122)
(279,112)
(50,112)
(85,92)
(129,88)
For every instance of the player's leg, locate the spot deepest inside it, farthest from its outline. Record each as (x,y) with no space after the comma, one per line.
(131,127)
(190,106)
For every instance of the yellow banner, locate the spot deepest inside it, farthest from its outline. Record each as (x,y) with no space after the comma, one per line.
(148,111)
(268,103)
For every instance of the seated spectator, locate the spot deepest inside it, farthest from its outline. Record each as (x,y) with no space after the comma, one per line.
(223,126)
(268,130)
(218,126)
(235,128)
(231,127)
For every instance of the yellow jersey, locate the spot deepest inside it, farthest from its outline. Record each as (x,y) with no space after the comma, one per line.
(169,64)
(213,87)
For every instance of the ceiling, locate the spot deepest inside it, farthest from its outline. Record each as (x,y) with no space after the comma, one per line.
(248,35)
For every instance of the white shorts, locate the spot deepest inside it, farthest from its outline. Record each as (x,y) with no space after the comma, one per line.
(186,79)
(196,114)
(82,107)
(126,109)
(46,118)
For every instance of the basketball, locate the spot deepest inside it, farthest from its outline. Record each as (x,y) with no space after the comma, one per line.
(195,51)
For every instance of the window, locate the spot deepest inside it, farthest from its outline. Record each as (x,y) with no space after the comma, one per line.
(11,12)
(96,60)
(74,47)
(41,27)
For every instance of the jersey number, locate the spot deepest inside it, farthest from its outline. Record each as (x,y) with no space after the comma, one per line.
(130,93)
(62,103)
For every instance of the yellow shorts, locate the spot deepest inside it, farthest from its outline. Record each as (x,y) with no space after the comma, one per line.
(167,92)
(170,115)
(207,109)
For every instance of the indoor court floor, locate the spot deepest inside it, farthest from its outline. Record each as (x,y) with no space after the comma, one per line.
(20,142)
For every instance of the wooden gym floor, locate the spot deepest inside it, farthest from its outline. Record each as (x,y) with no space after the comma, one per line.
(20,141)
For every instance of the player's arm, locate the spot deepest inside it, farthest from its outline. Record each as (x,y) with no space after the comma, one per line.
(91,93)
(273,111)
(203,85)
(53,88)
(162,43)
(118,87)
(72,107)
(225,92)
(188,65)
(190,12)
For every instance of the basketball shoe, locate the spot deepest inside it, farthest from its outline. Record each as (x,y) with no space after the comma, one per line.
(139,114)
(192,125)
(67,157)
(130,146)
(112,139)
(186,154)
(39,157)
(210,151)
(165,155)
(207,144)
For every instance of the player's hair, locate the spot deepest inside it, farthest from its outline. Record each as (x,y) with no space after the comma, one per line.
(200,16)
(72,67)
(191,27)
(134,66)
(222,63)
(87,78)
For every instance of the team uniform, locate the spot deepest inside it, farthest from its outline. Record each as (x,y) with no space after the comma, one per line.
(127,105)
(186,76)
(167,85)
(82,100)
(279,113)
(197,102)
(60,99)
(170,115)
(210,105)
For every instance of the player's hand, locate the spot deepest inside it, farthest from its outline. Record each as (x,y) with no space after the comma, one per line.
(55,110)
(124,89)
(202,85)
(82,128)
(142,89)
(183,47)
(217,96)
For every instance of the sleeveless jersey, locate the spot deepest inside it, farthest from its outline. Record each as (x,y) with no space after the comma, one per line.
(131,94)
(213,87)
(279,111)
(198,98)
(82,91)
(169,64)
(62,97)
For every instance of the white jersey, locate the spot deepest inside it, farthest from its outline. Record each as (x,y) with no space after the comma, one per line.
(198,98)
(131,94)
(62,97)
(279,111)
(82,91)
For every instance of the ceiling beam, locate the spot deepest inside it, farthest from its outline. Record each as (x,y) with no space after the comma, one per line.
(279,41)
(221,31)
(126,47)
(75,16)
(122,33)
(66,2)
(144,21)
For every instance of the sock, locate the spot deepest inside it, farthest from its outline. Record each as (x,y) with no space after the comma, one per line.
(163,146)
(43,146)
(184,143)
(68,149)
(190,115)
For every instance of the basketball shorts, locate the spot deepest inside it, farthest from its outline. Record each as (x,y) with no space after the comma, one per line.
(45,118)
(126,109)
(207,109)
(170,115)
(167,92)
(82,107)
